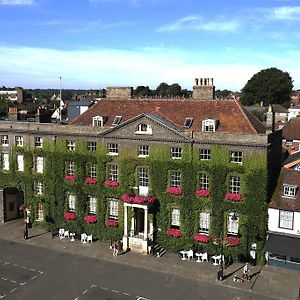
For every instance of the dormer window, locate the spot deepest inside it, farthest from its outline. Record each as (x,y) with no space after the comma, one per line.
(143,129)
(289,190)
(188,122)
(117,120)
(209,125)
(98,121)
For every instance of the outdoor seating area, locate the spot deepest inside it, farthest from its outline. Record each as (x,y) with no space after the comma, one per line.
(201,257)
(84,238)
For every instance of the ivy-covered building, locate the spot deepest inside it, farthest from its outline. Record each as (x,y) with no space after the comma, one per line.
(182,173)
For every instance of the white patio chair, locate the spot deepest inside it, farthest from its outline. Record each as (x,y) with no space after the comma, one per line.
(199,256)
(72,236)
(89,238)
(83,238)
(190,254)
(215,260)
(204,257)
(66,233)
(61,233)
(183,253)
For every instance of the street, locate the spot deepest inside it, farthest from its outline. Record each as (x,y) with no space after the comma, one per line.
(29,272)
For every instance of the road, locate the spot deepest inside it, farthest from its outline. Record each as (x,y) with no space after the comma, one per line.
(29,272)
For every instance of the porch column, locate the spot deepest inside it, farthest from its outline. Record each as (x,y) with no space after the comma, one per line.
(146,223)
(125,220)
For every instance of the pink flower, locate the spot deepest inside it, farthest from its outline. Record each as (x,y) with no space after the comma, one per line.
(70,216)
(111,223)
(127,198)
(232,241)
(90,180)
(233,197)
(150,199)
(202,238)
(174,190)
(90,219)
(70,177)
(174,232)
(111,183)
(202,193)
(139,200)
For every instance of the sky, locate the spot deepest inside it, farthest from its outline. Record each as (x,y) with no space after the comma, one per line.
(93,44)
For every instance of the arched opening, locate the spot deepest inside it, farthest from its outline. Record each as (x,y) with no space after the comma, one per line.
(13,198)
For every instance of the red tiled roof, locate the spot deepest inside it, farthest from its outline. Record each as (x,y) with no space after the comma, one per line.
(231,115)
(291,130)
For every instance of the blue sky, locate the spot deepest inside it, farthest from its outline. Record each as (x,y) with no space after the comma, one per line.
(98,43)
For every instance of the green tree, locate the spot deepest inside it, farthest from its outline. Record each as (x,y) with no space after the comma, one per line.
(269,85)
(221,94)
(174,90)
(142,91)
(161,90)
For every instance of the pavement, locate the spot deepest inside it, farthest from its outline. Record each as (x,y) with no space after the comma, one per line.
(277,283)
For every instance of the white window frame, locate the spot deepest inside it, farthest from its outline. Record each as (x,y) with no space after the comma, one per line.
(204,154)
(93,170)
(71,202)
(204,221)
(4,140)
(92,205)
(236,157)
(113,149)
(39,188)
(286,219)
(204,181)
(19,139)
(232,225)
(71,168)
(235,184)
(176,152)
(175,217)
(143,151)
(113,172)
(92,146)
(143,128)
(39,164)
(209,125)
(40,212)
(143,177)
(113,209)
(175,179)
(98,121)
(5,161)
(38,142)
(20,162)
(289,191)
(71,145)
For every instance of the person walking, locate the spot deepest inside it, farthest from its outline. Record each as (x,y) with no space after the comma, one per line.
(246,272)
(26,231)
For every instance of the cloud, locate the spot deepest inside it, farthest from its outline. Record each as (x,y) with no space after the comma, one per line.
(195,22)
(16,2)
(285,13)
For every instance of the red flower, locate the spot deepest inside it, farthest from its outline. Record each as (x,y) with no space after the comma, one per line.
(90,219)
(150,199)
(202,238)
(202,193)
(111,183)
(127,198)
(174,190)
(70,216)
(232,241)
(70,177)
(90,180)
(174,232)
(233,197)
(112,223)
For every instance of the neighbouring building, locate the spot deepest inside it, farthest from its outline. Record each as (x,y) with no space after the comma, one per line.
(283,240)
(294,111)
(180,173)
(16,95)
(276,117)
(291,135)
(76,108)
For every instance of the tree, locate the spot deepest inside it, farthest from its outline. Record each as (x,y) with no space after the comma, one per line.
(174,90)
(269,85)
(142,91)
(161,90)
(222,94)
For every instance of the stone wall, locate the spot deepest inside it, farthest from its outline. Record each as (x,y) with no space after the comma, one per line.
(118,93)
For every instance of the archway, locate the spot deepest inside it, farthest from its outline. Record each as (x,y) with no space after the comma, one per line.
(13,198)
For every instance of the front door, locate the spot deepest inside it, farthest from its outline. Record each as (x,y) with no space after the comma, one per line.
(139,222)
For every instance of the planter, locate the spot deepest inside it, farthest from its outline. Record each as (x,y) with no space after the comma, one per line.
(90,219)
(174,190)
(202,193)
(232,241)
(90,180)
(111,223)
(70,177)
(201,238)
(233,197)
(111,183)
(174,232)
(137,199)
(70,216)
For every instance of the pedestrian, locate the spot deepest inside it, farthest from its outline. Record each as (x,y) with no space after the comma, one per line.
(26,231)
(246,272)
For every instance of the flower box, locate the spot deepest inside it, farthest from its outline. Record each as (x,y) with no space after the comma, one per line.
(70,216)
(70,177)
(127,198)
(202,193)
(174,190)
(111,183)
(174,232)
(90,180)
(232,241)
(201,238)
(111,223)
(233,197)
(137,199)
(90,219)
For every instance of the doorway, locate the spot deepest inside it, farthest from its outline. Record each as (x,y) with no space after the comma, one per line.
(139,217)
(13,198)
